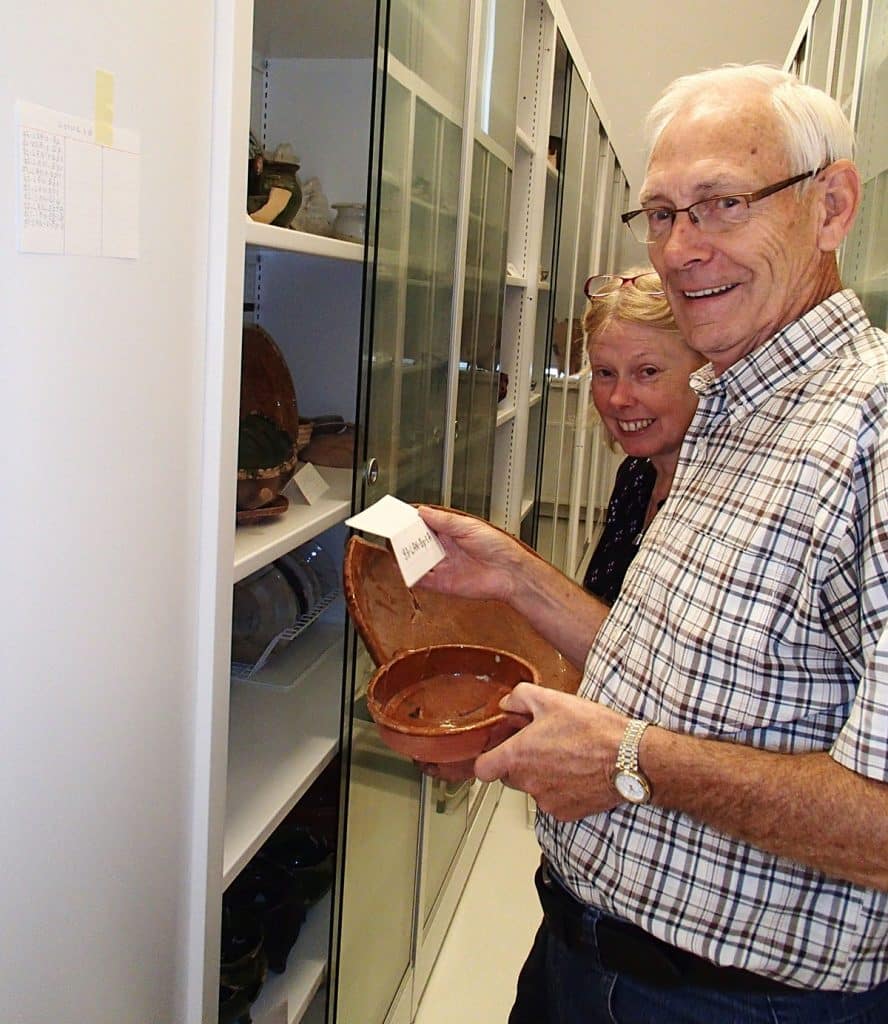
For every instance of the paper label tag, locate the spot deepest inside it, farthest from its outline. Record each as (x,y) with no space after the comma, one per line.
(416,550)
(310,484)
(415,547)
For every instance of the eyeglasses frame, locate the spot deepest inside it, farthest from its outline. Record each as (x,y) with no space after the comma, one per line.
(623,282)
(748,197)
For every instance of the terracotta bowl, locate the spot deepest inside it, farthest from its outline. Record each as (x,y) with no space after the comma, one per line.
(390,618)
(441,704)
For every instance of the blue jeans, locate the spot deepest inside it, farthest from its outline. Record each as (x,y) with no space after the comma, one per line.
(568,985)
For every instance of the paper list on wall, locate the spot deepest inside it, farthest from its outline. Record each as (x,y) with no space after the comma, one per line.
(75,196)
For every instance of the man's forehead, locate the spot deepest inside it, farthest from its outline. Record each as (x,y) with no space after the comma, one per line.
(714,145)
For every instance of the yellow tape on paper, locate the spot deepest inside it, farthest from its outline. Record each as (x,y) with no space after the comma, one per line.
(104,120)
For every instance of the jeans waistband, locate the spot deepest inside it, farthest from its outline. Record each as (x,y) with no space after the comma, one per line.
(624,948)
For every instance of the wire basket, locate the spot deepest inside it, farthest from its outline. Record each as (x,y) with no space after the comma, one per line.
(311,575)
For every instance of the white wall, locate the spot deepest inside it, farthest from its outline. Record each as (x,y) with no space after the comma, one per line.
(100,409)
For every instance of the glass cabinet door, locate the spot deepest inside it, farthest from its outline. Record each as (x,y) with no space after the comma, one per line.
(846,70)
(412,296)
(865,252)
(819,70)
(535,483)
(408,317)
(478,387)
(567,358)
(449,809)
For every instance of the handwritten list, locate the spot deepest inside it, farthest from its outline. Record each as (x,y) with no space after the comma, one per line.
(76,197)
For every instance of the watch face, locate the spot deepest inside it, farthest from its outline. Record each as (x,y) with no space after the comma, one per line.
(631,787)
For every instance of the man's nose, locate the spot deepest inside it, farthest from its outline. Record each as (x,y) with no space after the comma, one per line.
(685,244)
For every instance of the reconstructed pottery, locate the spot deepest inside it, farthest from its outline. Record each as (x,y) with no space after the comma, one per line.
(441,704)
(269,422)
(390,618)
(266,461)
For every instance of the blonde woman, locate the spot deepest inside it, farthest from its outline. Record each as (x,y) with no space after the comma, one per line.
(640,371)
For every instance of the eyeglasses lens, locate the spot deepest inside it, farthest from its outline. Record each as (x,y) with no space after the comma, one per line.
(607,284)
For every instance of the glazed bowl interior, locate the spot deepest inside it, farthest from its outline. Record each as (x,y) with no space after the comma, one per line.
(441,703)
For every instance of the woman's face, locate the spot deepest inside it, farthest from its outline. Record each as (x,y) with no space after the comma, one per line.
(640,387)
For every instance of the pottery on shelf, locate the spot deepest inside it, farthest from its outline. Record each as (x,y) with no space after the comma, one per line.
(269,421)
(274,192)
(350,223)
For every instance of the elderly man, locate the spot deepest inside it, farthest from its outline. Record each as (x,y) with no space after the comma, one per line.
(714,803)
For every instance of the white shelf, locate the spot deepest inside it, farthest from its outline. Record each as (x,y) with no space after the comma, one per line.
(523,140)
(258,544)
(552,172)
(516,282)
(535,398)
(279,742)
(505,415)
(544,286)
(267,236)
(526,506)
(286,997)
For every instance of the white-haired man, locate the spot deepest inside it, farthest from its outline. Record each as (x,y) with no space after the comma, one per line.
(714,803)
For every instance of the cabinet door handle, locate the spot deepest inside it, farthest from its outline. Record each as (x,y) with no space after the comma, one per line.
(447,800)
(371,473)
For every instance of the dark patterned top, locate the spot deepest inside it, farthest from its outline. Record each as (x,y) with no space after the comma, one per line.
(618,544)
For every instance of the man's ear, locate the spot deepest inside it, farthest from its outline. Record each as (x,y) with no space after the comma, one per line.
(839,186)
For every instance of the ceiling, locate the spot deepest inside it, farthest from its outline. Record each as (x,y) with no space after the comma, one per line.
(635,49)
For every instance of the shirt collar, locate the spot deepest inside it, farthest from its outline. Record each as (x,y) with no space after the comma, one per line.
(801,345)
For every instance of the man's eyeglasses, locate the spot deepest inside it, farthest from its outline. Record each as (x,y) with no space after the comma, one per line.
(653,224)
(601,285)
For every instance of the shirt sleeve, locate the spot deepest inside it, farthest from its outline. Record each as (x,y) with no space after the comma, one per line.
(862,744)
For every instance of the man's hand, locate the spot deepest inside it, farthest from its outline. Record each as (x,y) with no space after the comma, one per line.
(564,758)
(481,562)
(485,562)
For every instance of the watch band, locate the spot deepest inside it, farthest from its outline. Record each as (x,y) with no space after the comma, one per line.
(627,754)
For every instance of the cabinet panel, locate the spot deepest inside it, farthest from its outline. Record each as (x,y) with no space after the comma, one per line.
(478,387)
(499,55)
(865,252)
(409,326)
(567,354)
(381,856)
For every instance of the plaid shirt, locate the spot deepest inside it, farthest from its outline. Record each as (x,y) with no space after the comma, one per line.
(757,612)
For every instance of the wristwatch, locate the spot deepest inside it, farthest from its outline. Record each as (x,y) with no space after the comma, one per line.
(627,779)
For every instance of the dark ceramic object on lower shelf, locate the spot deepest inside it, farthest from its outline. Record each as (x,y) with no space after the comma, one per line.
(234,1005)
(243,964)
(306,857)
(267,891)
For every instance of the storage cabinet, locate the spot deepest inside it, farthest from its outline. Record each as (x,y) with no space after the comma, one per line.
(437,116)
(553,472)
(865,253)
(401,336)
(842,47)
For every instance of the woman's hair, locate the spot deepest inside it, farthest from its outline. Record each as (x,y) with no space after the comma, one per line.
(633,304)
(817,131)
